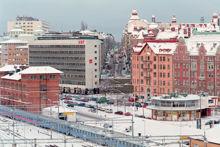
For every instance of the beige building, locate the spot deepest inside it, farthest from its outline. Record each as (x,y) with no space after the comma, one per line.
(28,24)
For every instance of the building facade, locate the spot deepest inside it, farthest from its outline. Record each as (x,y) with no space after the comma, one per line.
(197,64)
(152,68)
(30,89)
(28,24)
(14,52)
(182,107)
(79,58)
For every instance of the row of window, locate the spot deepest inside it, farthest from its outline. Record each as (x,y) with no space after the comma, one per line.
(73,82)
(57,58)
(41,77)
(73,76)
(162,90)
(13,86)
(57,46)
(64,64)
(57,52)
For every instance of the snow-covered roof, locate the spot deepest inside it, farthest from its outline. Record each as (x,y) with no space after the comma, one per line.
(134,15)
(15,76)
(61,109)
(22,47)
(163,48)
(7,68)
(139,47)
(40,70)
(166,35)
(212,135)
(153,26)
(13,41)
(179,98)
(211,43)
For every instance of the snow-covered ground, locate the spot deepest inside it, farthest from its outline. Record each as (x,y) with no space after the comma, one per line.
(26,135)
(157,131)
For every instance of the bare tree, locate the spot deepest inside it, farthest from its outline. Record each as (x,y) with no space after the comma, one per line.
(84,26)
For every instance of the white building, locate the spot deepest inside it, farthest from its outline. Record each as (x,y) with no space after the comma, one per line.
(182,107)
(28,24)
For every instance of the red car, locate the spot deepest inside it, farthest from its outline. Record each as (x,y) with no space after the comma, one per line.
(127,114)
(67,98)
(69,102)
(84,100)
(119,112)
(132,99)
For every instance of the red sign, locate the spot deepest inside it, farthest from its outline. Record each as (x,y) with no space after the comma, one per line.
(164,50)
(90,60)
(81,42)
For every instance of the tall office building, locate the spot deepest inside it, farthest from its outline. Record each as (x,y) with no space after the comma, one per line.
(28,24)
(78,57)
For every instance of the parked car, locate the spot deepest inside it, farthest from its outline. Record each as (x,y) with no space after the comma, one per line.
(102,100)
(132,99)
(127,114)
(110,102)
(67,98)
(94,99)
(68,102)
(81,104)
(70,105)
(141,116)
(211,122)
(84,100)
(119,112)
(138,104)
(108,110)
(91,106)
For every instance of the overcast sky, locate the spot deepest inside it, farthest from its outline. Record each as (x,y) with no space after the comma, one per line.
(108,16)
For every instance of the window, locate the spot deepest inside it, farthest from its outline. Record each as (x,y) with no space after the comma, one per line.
(43,87)
(164,58)
(155,74)
(168,66)
(155,82)
(168,59)
(155,66)
(164,83)
(164,67)
(155,58)
(42,96)
(160,58)
(44,77)
(155,90)
(142,74)
(168,74)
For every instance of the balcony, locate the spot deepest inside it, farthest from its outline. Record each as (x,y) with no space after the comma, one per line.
(201,78)
(148,61)
(147,77)
(210,87)
(147,69)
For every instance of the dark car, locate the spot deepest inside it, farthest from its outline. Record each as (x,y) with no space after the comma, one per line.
(70,105)
(211,122)
(119,112)
(81,104)
(94,99)
(91,106)
(110,102)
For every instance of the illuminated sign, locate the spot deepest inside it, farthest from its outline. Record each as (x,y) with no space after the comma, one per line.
(81,42)
(164,50)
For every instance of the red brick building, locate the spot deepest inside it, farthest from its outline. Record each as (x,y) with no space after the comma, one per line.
(31,88)
(14,52)
(197,64)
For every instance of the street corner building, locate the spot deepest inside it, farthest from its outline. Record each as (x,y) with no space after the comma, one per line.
(29,88)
